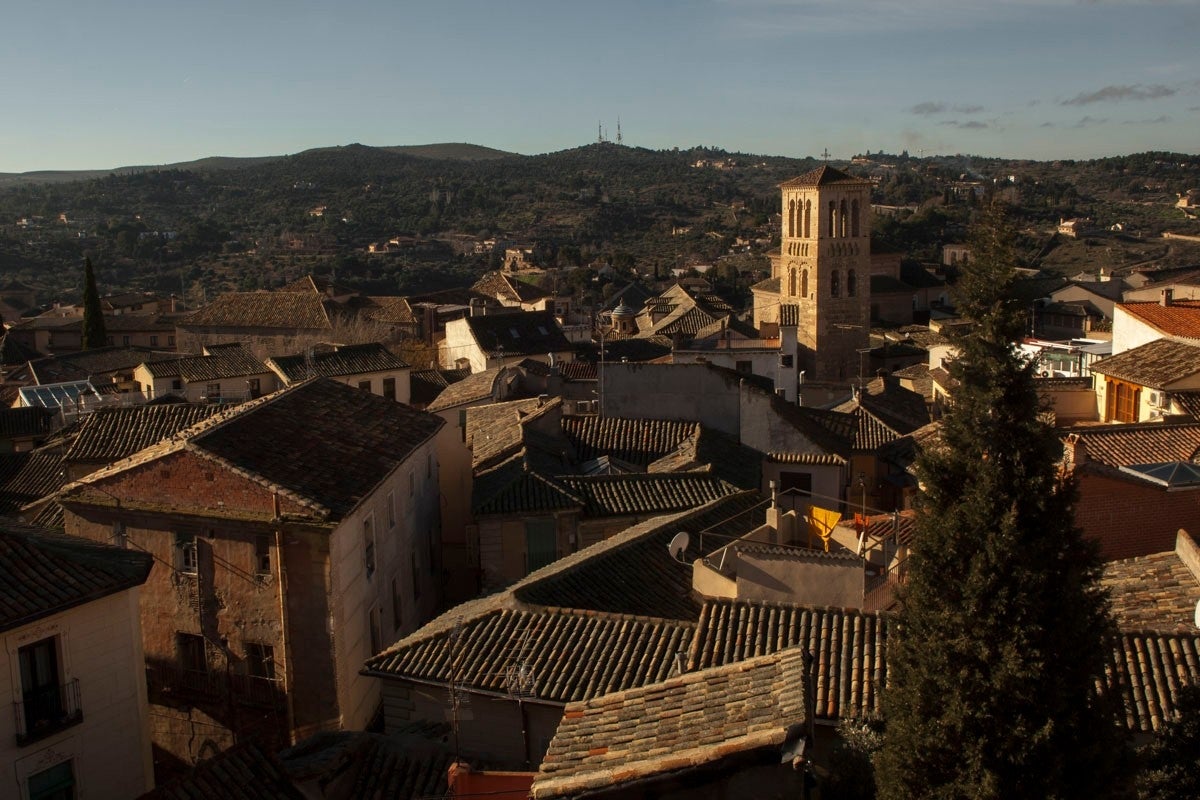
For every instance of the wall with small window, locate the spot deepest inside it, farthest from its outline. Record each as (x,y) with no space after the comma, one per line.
(78,721)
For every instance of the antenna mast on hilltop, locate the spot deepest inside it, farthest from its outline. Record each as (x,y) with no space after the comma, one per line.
(599,132)
(618,130)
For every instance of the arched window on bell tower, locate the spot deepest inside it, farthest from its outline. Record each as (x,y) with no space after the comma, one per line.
(807,218)
(854,212)
(842,220)
(791,231)
(804,284)
(851,283)
(835,283)
(792,282)
(832,217)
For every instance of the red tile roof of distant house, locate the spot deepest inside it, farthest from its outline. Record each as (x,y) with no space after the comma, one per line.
(1179,318)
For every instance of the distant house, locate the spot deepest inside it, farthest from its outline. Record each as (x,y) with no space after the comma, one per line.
(225,373)
(512,292)
(291,535)
(22,429)
(58,333)
(1136,323)
(486,341)
(371,367)
(1148,382)
(71,668)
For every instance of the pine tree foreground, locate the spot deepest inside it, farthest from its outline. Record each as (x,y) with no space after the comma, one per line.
(94,334)
(1003,623)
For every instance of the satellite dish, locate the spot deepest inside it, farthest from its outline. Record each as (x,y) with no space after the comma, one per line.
(680,542)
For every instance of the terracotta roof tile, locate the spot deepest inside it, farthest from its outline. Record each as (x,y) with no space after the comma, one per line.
(27,421)
(351,765)
(427,384)
(288,310)
(655,493)
(473,388)
(506,288)
(637,441)
(1180,318)
(522,334)
(822,176)
(686,721)
(1157,364)
(221,361)
(45,573)
(353,359)
(243,772)
(29,476)
(1156,592)
(1145,443)
(111,434)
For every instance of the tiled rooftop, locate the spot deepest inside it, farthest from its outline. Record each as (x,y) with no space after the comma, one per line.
(348,441)
(1157,364)
(1180,318)
(821,176)
(522,334)
(281,310)
(351,359)
(685,721)
(88,363)
(495,429)
(506,288)
(243,772)
(352,765)
(637,441)
(27,421)
(115,433)
(220,361)
(1145,443)
(45,573)
(427,384)
(473,388)
(1153,593)
(29,476)
(639,494)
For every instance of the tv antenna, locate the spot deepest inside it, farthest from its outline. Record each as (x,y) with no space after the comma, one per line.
(679,544)
(618,130)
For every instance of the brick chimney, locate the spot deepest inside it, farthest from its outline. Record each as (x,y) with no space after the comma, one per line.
(1168,295)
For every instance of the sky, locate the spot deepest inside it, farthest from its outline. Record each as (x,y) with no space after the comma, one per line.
(98,85)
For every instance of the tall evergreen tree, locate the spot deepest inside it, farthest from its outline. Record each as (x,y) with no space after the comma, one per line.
(94,334)
(1002,628)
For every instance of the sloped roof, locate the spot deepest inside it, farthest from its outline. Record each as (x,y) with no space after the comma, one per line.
(83,365)
(1180,318)
(474,387)
(243,772)
(504,287)
(29,476)
(822,176)
(512,487)
(46,573)
(637,441)
(26,421)
(321,442)
(286,310)
(221,361)
(389,310)
(352,765)
(1152,593)
(890,404)
(351,359)
(644,493)
(521,334)
(1144,443)
(1156,364)
(495,429)
(426,384)
(13,352)
(771,285)
(685,721)
(110,434)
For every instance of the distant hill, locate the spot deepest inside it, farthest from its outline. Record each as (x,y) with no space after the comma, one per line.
(446,151)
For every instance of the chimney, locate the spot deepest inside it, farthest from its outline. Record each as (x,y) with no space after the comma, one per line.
(473,305)
(1168,295)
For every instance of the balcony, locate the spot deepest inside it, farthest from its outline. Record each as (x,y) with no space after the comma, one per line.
(46,711)
(167,684)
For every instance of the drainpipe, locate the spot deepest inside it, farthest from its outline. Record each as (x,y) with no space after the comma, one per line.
(281,582)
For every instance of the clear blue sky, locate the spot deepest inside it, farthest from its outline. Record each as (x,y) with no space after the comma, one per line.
(104,84)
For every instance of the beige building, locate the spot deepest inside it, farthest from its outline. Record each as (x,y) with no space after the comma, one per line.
(72,668)
(226,373)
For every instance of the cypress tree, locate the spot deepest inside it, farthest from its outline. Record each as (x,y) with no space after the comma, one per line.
(94,334)
(1003,624)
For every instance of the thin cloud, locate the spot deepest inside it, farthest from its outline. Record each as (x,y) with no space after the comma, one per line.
(1089,122)
(929,108)
(1159,120)
(1046,125)
(1113,94)
(969,125)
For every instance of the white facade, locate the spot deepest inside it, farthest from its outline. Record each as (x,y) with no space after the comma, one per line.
(98,648)
(385,569)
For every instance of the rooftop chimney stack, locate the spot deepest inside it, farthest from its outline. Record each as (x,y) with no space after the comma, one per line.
(1168,295)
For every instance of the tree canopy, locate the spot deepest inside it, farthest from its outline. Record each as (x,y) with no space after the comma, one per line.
(94,334)
(1003,622)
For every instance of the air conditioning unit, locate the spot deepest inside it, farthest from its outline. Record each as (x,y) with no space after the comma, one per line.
(1159,400)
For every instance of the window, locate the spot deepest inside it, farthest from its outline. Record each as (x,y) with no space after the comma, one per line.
(56,783)
(412,483)
(397,606)
(364,385)
(807,218)
(792,231)
(185,553)
(391,510)
(260,660)
(170,341)
(835,283)
(253,386)
(744,367)
(376,630)
(176,385)
(154,341)
(416,575)
(851,283)
(854,214)
(804,283)
(262,554)
(389,388)
(832,215)
(791,282)
(842,220)
(189,651)
(798,481)
(212,391)
(369,544)
(1121,401)
(42,710)
(125,341)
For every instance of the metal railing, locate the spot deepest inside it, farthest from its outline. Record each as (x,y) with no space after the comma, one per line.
(47,710)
